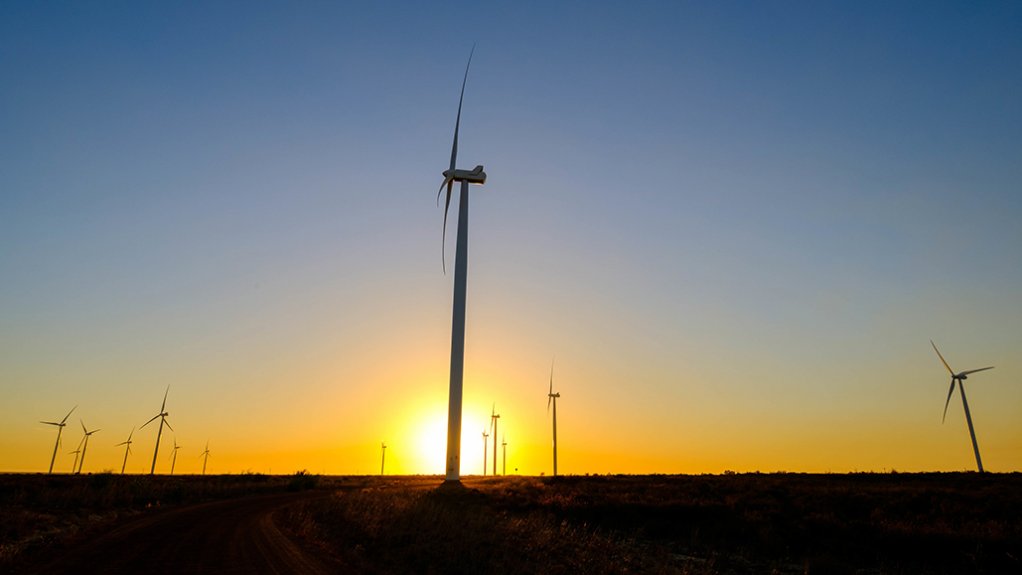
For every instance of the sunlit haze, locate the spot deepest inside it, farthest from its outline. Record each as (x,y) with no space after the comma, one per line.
(733,227)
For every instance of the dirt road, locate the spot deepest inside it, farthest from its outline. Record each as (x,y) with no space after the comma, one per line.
(233,536)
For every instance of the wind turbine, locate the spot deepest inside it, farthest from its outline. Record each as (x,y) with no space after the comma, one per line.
(504,444)
(466,177)
(173,460)
(960,377)
(74,466)
(485,435)
(494,416)
(205,457)
(552,397)
(85,445)
(127,449)
(383,456)
(60,429)
(163,419)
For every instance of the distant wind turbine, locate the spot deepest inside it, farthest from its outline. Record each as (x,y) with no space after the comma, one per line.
(960,377)
(162,415)
(494,416)
(77,451)
(504,445)
(383,456)
(173,459)
(205,457)
(60,429)
(466,177)
(85,445)
(485,443)
(127,449)
(552,397)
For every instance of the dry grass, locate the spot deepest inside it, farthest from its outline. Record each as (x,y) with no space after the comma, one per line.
(747,523)
(752,523)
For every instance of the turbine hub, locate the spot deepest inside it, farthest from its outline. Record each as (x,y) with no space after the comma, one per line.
(473,176)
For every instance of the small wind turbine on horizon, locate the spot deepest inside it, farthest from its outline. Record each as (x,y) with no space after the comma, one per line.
(485,443)
(383,456)
(60,429)
(465,177)
(494,416)
(205,457)
(552,397)
(127,449)
(173,459)
(77,451)
(85,445)
(960,377)
(162,415)
(504,444)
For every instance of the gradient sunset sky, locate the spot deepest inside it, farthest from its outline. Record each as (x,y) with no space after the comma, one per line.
(735,225)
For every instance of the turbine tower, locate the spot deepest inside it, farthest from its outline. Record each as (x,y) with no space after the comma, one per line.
(485,435)
(504,445)
(127,449)
(60,429)
(85,445)
(383,456)
(960,377)
(173,459)
(162,415)
(465,177)
(494,416)
(552,398)
(205,457)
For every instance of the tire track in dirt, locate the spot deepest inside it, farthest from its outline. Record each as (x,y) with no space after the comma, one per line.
(232,536)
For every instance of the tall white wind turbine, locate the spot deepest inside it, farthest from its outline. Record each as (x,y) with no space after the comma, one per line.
(60,429)
(552,398)
(465,177)
(85,445)
(127,449)
(494,416)
(205,457)
(162,415)
(960,377)
(383,456)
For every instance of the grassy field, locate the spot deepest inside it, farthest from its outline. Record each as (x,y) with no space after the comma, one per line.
(744,523)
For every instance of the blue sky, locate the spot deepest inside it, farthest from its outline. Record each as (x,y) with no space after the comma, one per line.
(709,212)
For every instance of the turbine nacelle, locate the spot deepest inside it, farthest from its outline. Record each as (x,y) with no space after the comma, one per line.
(473,176)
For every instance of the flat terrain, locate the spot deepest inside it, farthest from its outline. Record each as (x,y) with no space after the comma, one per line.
(232,536)
(745,523)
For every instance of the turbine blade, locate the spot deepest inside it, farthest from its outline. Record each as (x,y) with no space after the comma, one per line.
(50,423)
(449,180)
(168,424)
(163,406)
(62,421)
(130,434)
(151,420)
(948,402)
(942,360)
(83,427)
(461,99)
(976,370)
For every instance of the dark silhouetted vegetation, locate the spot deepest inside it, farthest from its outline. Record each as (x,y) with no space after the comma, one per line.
(735,523)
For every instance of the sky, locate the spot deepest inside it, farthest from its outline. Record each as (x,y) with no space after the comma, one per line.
(731,228)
